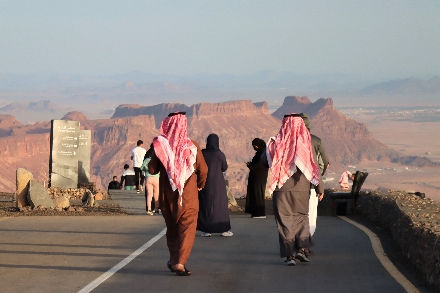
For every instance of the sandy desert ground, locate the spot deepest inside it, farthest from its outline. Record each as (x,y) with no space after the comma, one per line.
(410,138)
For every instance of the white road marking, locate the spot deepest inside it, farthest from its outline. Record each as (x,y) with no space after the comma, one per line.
(384,260)
(121,264)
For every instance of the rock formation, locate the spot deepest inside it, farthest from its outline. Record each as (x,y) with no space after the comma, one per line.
(38,196)
(23,177)
(236,123)
(75,116)
(346,140)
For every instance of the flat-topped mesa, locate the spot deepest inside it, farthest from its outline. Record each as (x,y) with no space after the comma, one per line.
(156,110)
(200,110)
(126,110)
(228,108)
(159,111)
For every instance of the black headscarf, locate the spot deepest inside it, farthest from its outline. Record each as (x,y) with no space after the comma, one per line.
(149,152)
(212,143)
(261,144)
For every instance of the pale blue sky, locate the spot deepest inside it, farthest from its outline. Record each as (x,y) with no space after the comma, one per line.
(390,38)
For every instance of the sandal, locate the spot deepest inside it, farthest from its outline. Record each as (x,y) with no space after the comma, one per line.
(184,273)
(169,267)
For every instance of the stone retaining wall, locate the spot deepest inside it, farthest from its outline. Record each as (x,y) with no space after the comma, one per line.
(414,224)
(76,193)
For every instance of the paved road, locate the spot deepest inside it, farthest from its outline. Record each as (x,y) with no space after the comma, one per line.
(129,200)
(65,254)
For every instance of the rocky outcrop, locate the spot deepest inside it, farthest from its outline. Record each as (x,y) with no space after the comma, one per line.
(7,120)
(23,151)
(346,140)
(236,123)
(158,111)
(38,196)
(244,107)
(74,116)
(112,141)
(7,124)
(61,202)
(23,177)
(202,110)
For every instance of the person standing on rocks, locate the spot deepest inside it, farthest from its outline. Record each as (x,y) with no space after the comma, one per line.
(183,173)
(213,199)
(321,158)
(137,155)
(128,177)
(257,180)
(292,168)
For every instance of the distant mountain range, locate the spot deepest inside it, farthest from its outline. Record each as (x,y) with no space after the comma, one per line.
(263,79)
(404,87)
(40,106)
(30,112)
(98,95)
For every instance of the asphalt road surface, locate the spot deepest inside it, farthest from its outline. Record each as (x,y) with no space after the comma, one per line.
(67,254)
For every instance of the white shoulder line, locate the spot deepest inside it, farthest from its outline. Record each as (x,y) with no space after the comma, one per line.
(98,281)
(384,260)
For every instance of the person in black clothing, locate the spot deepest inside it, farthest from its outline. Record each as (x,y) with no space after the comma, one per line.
(213,200)
(114,184)
(257,180)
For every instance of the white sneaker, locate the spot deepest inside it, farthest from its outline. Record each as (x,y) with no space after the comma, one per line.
(141,188)
(229,233)
(260,217)
(205,234)
(150,213)
(301,257)
(290,261)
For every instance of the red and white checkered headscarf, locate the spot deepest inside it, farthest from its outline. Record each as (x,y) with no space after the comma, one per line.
(291,149)
(176,151)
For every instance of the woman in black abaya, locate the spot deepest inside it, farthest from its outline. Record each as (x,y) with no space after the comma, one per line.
(257,181)
(213,200)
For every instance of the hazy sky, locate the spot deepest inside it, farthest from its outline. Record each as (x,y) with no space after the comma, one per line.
(395,38)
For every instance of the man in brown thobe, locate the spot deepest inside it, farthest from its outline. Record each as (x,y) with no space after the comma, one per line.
(183,172)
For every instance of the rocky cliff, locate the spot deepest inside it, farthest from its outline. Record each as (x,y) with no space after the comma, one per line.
(346,140)
(7,124)
(236,123)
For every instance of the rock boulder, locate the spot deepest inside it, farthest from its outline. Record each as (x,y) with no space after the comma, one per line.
(61,202)
(38,195)
(23,177)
